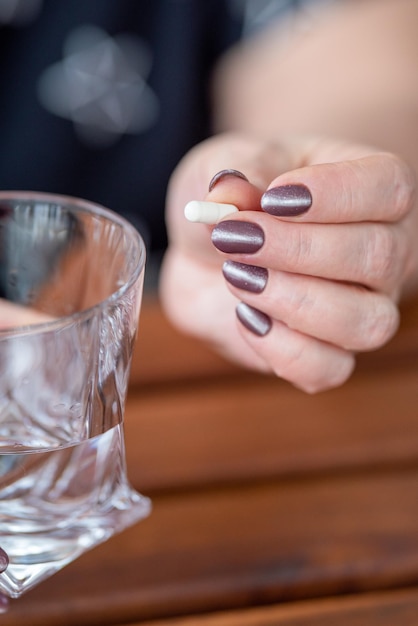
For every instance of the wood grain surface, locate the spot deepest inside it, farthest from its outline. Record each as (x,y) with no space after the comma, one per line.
(398,608)
(251,427)
(241,546)
(270,506)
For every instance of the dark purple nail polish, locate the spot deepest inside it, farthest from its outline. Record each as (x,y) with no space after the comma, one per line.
(287,200)
(223,174)
(4,560)
(247,277)
(239,237)
(254,320)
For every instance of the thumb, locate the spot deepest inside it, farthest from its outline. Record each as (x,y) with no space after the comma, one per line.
(258,162)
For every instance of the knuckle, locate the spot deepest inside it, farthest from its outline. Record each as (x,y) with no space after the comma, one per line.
(403,185)
(332,377)
(298,248)
(380,324)
(291,360)
(332,369)
(383,254)
(300,302)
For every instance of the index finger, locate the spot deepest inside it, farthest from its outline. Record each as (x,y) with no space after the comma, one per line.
(378,187)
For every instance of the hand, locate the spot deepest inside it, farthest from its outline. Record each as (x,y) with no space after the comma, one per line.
(319,281)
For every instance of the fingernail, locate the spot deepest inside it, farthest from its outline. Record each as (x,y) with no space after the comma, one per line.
(4,560)
(247,277)
(254,320)
(223,174)
(287,200)
(239,237)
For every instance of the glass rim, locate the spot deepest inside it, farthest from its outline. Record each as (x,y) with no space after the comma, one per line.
(87,207)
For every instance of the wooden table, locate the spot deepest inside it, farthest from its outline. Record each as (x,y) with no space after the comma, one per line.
(269,506)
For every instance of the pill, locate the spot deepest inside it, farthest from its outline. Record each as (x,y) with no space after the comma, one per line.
(207,212)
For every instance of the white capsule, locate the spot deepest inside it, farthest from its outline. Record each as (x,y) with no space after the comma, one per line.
(207,212)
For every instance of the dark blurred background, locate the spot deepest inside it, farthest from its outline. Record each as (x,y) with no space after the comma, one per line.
(101,98)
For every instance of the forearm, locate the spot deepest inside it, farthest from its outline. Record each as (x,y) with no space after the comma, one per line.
(353,75)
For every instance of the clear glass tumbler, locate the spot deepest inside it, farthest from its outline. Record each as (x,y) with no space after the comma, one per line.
(71,276)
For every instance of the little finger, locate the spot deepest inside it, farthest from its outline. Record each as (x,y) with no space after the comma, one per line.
(308,363)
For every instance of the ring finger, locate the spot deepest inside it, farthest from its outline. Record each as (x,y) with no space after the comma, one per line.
(348,316)
(370,254)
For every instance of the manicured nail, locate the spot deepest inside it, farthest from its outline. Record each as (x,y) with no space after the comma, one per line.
(4,560)
(287,200)
(223,174)
(247,277)
(254,320)
(240,237)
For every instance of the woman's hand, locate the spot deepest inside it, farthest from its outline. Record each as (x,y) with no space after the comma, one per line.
(311,268)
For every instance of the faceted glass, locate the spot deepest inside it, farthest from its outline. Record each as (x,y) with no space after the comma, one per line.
(71,276)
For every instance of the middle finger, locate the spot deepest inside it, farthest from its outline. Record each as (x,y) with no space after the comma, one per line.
(367,253)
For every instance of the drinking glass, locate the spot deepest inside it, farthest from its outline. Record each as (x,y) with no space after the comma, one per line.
(71,276)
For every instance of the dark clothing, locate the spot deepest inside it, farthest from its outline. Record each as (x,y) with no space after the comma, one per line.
(43,151)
